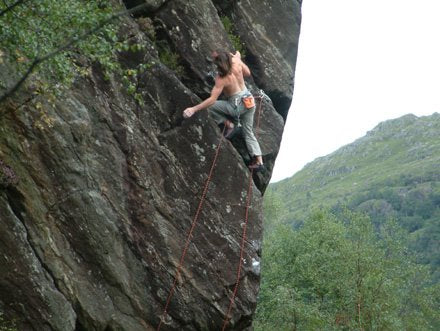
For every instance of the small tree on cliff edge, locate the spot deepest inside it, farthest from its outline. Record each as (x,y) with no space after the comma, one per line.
(48,35)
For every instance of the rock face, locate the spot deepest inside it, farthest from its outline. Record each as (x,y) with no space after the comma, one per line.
(97,193)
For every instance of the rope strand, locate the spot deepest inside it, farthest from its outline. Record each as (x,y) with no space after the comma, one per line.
(193,225)
(243,237)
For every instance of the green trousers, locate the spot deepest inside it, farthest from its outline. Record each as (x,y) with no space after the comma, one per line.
(222,110)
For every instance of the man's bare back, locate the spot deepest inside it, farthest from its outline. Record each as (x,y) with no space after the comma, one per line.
(230,81)
(234,82)
(230,84)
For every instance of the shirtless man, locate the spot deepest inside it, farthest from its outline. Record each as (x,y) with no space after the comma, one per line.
(230,81)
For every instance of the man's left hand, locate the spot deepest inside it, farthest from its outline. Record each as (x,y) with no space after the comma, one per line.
(237,54)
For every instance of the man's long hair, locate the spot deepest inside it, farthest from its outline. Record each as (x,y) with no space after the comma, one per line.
(224,63)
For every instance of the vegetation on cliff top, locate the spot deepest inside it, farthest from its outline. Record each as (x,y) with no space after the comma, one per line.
(36,28)
(233,36)
(60,41)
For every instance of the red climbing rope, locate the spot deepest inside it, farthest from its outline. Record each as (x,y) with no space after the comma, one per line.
(243,237)
(193,225)
(194,222)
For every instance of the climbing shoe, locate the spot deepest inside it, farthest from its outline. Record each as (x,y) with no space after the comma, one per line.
(231,130)
(232,133)
(257,167)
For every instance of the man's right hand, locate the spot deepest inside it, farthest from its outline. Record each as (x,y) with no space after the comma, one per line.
(188,112)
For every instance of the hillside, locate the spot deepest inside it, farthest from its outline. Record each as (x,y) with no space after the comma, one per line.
(391,172)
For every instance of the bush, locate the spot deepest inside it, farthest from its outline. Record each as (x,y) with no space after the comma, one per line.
(6,326)
(36,28)
(233,37)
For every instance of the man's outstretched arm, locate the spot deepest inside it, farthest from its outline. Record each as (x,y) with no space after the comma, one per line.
(215,93)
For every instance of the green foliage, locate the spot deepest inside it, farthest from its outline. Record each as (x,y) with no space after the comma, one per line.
(37,28)
(233,37)
(273,210)
(392,172)
(130,79)
(169,58)
(337,273)
(6,326)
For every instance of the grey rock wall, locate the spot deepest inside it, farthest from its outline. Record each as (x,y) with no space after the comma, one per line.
(98,193)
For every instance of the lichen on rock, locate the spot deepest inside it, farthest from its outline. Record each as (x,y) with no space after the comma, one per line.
(7,176)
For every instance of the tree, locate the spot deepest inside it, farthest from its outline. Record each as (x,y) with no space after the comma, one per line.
(272,210)
(44,32)
(338,273)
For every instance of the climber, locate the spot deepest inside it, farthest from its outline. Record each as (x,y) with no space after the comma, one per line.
(239,105)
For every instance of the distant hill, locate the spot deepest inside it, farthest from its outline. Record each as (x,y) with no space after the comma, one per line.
(393,171)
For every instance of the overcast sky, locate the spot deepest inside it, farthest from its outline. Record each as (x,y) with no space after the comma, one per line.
(360,62)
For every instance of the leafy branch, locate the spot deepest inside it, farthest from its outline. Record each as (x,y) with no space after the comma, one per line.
(67,45)
(9,8)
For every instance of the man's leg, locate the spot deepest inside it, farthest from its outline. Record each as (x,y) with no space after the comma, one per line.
(247,120)
(220,111)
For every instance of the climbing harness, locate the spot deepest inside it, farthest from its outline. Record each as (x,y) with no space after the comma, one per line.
(248,101)
(196,217)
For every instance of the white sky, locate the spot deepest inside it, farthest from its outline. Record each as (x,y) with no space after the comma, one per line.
(360,62)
